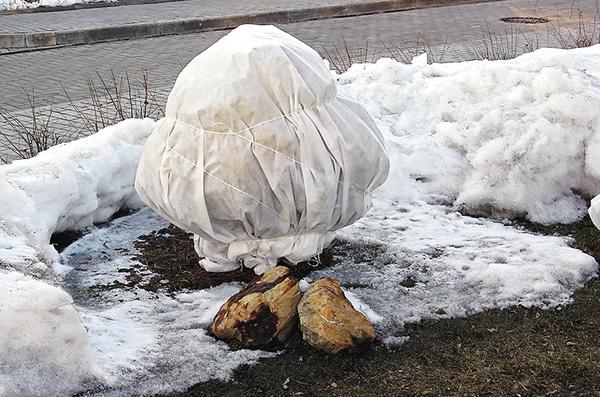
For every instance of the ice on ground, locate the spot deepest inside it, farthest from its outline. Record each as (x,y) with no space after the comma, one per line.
(43,345)
(427,261)
(505,138)
(24,4)
(145,342)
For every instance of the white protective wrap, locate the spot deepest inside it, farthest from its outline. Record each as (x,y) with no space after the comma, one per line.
(258,155)
(594,211)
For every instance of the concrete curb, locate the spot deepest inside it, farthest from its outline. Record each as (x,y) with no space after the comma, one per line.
(33,40)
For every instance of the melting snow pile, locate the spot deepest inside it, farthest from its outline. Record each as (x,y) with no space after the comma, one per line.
(505,138)
(43,346)
(145,342)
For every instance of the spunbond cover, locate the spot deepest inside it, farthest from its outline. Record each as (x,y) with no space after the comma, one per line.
(258,155)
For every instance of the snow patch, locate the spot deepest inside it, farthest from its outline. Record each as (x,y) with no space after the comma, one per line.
(43,345)
(24,4)
(362,307)
(392,342)
(457,265)
(145,342)
(503,138)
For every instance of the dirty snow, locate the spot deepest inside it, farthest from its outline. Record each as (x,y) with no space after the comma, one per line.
(144,342)
(427,261)
(504,138)
(24,4)
(68,186)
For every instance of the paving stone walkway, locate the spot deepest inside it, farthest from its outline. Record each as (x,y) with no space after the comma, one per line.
(163,57)
(450,34)
(142,13)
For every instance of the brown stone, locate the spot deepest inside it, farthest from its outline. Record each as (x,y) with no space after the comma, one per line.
(329,322)
(262,313)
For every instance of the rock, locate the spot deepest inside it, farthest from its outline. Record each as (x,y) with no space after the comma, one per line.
(329,322)
(263,312)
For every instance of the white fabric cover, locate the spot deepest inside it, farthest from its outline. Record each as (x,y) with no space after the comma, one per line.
(594,211)
(257,155)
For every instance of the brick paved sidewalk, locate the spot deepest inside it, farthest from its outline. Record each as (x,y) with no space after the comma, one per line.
(186,9)
(164,57)
(46,72)
(88,26)
(143,13)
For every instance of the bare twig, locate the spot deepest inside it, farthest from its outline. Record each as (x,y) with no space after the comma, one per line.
(23,134)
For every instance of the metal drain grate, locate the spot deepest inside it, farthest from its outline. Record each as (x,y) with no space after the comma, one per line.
(524,20)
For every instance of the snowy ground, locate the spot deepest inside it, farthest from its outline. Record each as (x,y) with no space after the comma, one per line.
(150,343)
(24,4)
(144,342)
(501,139)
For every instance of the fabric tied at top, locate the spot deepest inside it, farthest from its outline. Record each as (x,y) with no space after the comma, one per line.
(258,155)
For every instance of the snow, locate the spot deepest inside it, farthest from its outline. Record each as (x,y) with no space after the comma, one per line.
(393,342)
(41,339)
(362,307)
(24,4)
(594,211)
(503,139)
(460,266)
(43,345)
(145,342)
(69,186)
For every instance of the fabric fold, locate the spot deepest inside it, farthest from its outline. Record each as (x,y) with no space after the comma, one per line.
(258,156)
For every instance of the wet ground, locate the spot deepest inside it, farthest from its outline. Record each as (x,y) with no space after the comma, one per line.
(515,351)
(518,351)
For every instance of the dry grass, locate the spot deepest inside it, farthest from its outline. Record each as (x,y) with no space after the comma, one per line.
(406,53)
(23,134)
(115,99)
(584,33)
(342,54)
(501,46)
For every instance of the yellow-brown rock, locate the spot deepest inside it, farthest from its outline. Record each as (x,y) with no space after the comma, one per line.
(262,313)
(329,322)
